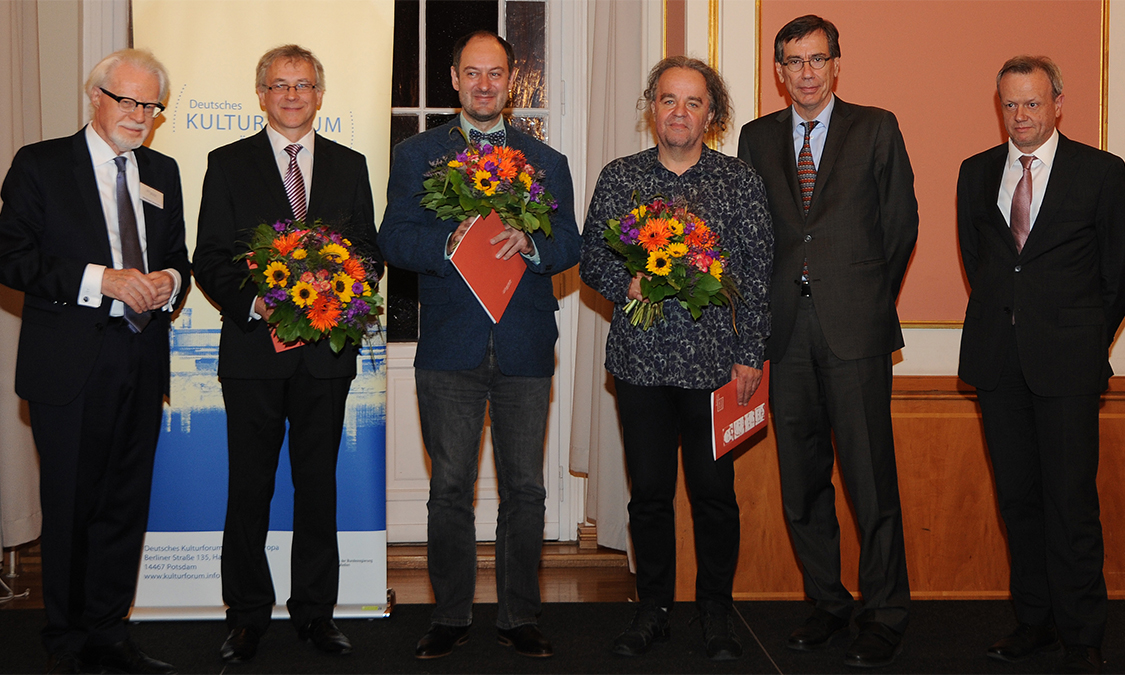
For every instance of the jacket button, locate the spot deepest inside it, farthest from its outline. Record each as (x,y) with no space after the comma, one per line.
(1019,268)
(808,238)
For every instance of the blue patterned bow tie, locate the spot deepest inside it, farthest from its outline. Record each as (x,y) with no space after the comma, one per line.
(494,138)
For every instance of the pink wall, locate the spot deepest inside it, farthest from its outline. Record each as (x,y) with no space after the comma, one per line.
(933,63)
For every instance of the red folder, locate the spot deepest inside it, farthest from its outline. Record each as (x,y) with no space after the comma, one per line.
(731,424)
(492,280)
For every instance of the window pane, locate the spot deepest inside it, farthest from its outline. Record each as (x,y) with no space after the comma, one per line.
(404,76)
(435,120)
(447,20)
(527,32)
(536,127)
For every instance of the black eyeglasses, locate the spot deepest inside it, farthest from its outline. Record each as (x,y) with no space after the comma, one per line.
(796,65)
(128,105)
(300,88)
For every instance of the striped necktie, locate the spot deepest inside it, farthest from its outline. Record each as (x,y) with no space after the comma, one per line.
(295,183)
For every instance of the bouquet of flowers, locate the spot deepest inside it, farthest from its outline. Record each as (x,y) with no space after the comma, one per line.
(315,282)
(678,255)
(483,178)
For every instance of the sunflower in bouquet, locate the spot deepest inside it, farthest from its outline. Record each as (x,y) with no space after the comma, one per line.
(483,178)
(315,281)
(678,256)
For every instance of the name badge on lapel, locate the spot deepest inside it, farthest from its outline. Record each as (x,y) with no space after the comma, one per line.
(152,196)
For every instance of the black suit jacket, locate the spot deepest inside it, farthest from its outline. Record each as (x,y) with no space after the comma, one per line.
(51,227)
(243,189)
(857,236)
(1066,287)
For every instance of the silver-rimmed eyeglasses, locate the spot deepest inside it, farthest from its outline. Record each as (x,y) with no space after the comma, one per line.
(796,65)
(128,105)
(300,88)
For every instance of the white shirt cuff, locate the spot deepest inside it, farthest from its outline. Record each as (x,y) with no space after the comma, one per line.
(175,289)
(90,290)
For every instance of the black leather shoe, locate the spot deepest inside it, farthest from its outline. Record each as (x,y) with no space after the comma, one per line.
(1024,642)
(325,636)
(1080,659)
(123,657)
(63,662)
(440,640)
(876,645)
(241,645)
(650,624)
(818,632)
(527,639)
(718,633)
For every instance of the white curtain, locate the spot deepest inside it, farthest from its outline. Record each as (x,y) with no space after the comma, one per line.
(20,516)
(619,63)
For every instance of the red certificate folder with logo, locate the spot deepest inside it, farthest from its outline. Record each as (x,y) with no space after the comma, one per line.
(492,280)
(731,424)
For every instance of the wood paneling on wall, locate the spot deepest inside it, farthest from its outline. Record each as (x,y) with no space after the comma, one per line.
(955,542)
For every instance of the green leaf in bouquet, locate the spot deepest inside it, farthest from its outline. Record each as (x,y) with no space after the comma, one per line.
(338,339)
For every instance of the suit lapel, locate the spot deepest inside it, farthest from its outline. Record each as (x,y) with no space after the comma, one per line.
(784,150)
(322,166)
(88,189)
(994,175)
(838,127)
(266,164)
(1058,187)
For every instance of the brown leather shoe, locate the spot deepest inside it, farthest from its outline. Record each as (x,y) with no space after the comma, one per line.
(1024,642)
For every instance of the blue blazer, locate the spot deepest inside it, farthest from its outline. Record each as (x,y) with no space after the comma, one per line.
(454,329)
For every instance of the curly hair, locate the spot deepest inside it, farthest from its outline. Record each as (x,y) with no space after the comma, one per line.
(716,89)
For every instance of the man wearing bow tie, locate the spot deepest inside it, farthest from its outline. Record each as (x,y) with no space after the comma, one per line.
(464,361)
(1041,221)
(287,171)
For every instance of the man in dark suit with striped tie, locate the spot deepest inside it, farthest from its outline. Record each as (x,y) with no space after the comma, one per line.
(284,172)
(845,220)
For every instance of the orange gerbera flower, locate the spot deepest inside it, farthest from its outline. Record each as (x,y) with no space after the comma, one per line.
(507,169)
(701,237)
(324,313)
(285,244)
(354,269)
(654,235)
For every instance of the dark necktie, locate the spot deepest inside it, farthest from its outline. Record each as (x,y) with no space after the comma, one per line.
(806,176)
(131,256)
(806,170)
(1020,217)
(494,138)
(295,183)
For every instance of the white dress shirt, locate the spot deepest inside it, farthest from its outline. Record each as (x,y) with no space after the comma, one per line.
(105,174)
(1040,175)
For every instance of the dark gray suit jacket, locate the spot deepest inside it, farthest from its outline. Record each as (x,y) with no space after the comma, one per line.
(857,237)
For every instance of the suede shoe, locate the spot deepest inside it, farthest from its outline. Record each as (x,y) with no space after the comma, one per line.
(876,645)
(1080,659)
(527,640)
(241,645)
(1024,642)
(440,640)
(718,632)
(650,624)
(325,636)
(123,657)
(819,631)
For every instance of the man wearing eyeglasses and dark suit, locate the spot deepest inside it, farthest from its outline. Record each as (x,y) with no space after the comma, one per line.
(845,220)
(92,231)
(284,172)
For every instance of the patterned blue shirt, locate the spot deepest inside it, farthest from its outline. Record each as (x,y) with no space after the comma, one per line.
(680,351)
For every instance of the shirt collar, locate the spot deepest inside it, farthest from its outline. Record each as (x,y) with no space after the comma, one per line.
(100,152)
(279,142)
(1044,153)
(466,125)
(822,118)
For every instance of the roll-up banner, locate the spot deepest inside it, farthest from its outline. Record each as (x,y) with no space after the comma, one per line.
(211,49)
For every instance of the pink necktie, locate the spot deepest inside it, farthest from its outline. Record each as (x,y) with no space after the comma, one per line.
(1020,217)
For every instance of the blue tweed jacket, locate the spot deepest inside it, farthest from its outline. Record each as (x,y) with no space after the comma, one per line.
(454,329)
